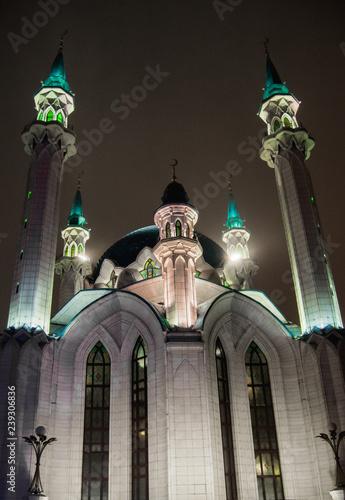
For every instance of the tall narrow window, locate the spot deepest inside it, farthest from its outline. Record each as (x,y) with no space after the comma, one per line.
(178,228)
(167,230)
(263,425)
(49,116)
(225,422)
(80,249)
(73,251)
(187,230)
(96,425)
(140,463)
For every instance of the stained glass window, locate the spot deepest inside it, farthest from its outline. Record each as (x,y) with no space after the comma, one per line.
(140,465)
(167,230)
(59,118)
(178,228)
(225,422)
(149,270)
(266,451)
(96,425)
(40,116)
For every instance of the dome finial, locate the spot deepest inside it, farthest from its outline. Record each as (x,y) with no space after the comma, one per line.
(229,183)
(173,177)
(265,45)
(79,178)
(61,41)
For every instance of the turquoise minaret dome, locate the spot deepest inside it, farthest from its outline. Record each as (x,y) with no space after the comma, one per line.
(234,219)
(76,217)
(57,77)
(54,101)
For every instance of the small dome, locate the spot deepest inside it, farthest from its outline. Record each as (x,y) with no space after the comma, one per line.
(174,193)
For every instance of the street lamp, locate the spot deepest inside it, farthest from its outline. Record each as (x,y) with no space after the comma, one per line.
(334,444)
(39,444)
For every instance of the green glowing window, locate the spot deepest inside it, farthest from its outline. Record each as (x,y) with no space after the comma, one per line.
(29,195)
(40,116)
(21,254)
(66,251)
(167,230)
(59,118)
(225,283)
(95,469)
(267,462)
(80,249)
(225,422)
(140,458)
(73,251)
(17,287)
(49,116)
(197,274)
(245,252)
(25,223)
(312,199)
(178,228)
(287,122)
(276,125)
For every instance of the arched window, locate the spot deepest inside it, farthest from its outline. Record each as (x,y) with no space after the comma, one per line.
(287,121)
(73,251)
(149,268)
(187,230)
(178,228)
(59,117)
(49,116)
(263,426)
(167,230)
(80,249)
(225,422)
(40,116)
(140,462)
(276,125)
(96,425)
(246,252)
(66,251)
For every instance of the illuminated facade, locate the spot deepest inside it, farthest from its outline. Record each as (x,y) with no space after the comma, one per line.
(165,375)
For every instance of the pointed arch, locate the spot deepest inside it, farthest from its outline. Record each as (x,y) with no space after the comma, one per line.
(140,461)
(225,422)
(168,230)
(96,425)
(73,249)
(266,450)
(178,228)
(187,231)
(49,114)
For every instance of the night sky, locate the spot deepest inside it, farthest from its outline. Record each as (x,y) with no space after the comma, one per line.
(203,113)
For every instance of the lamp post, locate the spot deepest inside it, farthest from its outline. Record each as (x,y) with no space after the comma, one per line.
(334,444)
(39,444)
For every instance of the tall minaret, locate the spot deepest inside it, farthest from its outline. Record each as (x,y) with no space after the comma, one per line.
(285,148)
(178,251)
(74,265)
(49,143)
(240,269)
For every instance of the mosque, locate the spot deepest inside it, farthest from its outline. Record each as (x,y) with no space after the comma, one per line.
(165,375)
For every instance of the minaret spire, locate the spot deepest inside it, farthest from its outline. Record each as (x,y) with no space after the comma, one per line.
(49,145)
(74,265)
(285,148)
(240,268)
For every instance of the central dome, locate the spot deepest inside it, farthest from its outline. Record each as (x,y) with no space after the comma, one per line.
(126,250)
